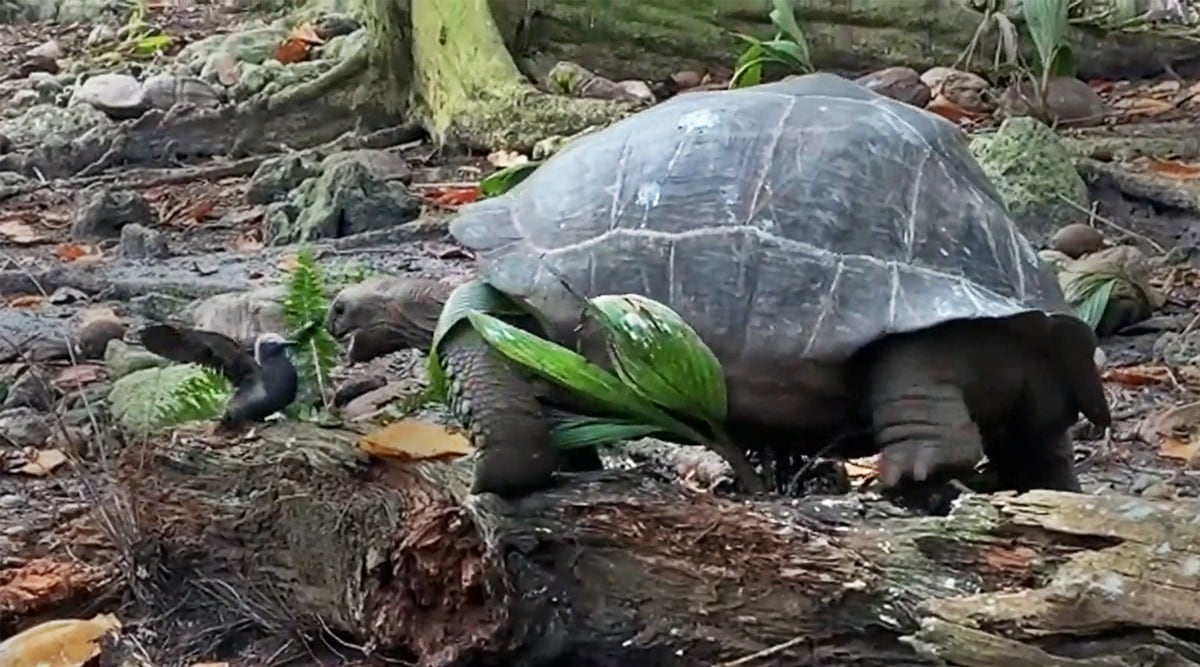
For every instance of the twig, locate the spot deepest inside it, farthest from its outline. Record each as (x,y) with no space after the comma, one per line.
(1096,216)
(765,653)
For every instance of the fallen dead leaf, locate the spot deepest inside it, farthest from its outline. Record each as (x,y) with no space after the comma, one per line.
(73,252)
(69,642)
(1142,106)
(1138,376)
(27,301)
(947,109)
(1177,430)
(20,233)
(288,262)
(1176,169)
(204,210)
(862,468)
(293,51)
(503,158)
(451,196)
(73,377)
(42,463)
(414,440)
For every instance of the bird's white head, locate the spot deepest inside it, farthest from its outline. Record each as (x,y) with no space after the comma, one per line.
(270,344)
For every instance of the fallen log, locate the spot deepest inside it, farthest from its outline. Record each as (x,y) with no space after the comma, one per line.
(298,530)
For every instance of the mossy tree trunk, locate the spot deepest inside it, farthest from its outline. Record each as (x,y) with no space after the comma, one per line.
(616,568)
(462,65)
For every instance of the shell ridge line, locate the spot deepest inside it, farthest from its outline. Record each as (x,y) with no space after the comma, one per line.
(828,304)
(767,163)
(622,160)
(910,230)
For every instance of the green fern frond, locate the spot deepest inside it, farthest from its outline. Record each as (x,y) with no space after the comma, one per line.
(151,399)
(304,309)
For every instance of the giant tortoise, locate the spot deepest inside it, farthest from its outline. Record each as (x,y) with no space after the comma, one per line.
(842,254)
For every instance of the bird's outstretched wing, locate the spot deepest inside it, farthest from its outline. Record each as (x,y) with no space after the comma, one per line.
(208,348)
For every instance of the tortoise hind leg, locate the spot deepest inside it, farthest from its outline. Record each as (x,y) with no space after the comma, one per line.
(918,409)
(498,406)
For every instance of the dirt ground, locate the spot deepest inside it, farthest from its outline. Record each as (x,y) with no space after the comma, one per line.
(48,535)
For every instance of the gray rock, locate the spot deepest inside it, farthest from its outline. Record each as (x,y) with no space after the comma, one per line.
(1033,173)
(121,359)
(164,91)
(140,242)
(45,84)
(29,389)
(103,211)
(333,25)
(46,123)
(23,427)
(23,99)
(1178,349)
(275,178)
(49,49)
(357,191)
(118,95)
(157,306)
(242,315)
(899,83)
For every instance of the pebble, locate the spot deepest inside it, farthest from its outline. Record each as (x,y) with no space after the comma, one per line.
(119,96)
(101,34)
(1076,240)
(141,242)
(97,328)
(49,49)
(11,500)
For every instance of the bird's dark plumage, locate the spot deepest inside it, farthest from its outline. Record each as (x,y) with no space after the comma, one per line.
(265,379)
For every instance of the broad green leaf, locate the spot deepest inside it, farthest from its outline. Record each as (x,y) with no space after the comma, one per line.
(153,43)
(556,363)
(657,354)
(749,74)
(573,371)
(506,179)
(1047,22)
(475,295)
(580,431)
(787,53)
(1095,302)
(783,17)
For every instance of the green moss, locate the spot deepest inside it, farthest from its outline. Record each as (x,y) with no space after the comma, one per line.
(152,399)
(1033,173)
(471,88)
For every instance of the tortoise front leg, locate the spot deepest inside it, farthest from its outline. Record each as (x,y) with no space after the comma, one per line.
(497,405)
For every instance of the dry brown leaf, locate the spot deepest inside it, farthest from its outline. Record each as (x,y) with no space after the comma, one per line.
(288,262)
(69,642)
(72,252)
(1176,169)
(293,51)
(73,377)
(862,468)
(1137,376)
(1177,430)
(944,107)
(1181,449)
(1143,106)
(42,463)
(203,210)
(20,233)
(27,301)
(414,440)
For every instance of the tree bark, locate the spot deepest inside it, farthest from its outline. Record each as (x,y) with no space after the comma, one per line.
(640,38)
(301,531)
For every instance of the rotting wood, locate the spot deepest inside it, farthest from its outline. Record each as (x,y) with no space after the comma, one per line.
(616,568)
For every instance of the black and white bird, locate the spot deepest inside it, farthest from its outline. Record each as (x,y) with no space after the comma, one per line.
(266,381)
